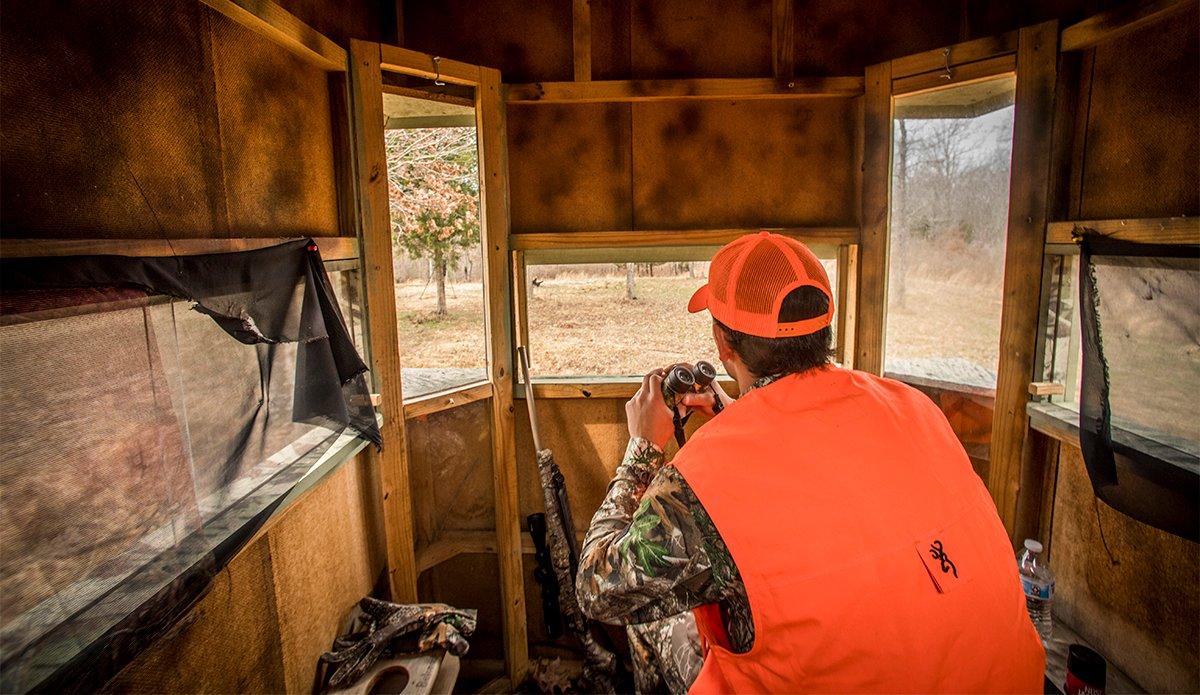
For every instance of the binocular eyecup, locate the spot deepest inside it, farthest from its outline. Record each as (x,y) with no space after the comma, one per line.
(682,379)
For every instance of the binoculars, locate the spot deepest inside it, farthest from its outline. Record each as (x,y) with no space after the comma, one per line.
(681,380)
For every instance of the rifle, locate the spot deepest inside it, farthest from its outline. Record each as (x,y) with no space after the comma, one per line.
(600,664)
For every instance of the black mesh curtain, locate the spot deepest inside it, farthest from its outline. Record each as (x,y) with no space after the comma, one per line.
(1139,430)
(154,413)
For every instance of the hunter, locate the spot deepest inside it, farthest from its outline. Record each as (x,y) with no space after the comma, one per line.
(824,532)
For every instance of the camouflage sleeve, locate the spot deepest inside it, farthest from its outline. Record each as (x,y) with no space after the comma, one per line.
(645,556)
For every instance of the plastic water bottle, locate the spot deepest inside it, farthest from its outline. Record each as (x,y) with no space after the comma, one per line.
(1038,581)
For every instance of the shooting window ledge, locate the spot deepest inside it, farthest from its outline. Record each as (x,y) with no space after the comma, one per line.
(1061,421)
(437,401)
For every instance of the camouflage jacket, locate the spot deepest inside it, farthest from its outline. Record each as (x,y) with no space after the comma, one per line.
(652,552)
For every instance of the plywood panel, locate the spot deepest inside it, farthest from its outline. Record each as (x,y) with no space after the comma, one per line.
(736,164)
(1143,128)
(526,41)
(842,38)
(450,459)
(103,104)
(470,581)
(700,38)
(326,555)
(229,643)
(276,136)
(1142,613)
(569,167)
(588,438)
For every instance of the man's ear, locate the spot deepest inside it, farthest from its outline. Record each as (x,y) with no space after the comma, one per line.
(724,351)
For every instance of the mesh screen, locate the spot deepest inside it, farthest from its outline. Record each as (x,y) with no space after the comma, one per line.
(1140,373)
(765,260)
(142,444)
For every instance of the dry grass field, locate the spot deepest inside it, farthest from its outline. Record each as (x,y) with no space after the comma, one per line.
(584,325)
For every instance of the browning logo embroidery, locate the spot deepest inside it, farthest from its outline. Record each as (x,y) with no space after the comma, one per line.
(938,553)
(948,556)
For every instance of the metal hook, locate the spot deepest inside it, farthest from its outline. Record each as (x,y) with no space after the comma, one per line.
(437,71)
(947,75)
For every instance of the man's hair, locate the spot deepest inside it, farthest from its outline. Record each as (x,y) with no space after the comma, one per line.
(779,356)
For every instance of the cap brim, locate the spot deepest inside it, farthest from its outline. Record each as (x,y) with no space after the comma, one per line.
(699,300)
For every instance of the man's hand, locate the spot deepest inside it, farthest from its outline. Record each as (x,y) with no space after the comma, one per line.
(703,402)
(647,414)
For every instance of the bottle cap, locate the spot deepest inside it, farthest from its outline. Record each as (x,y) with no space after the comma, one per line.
(1033,546)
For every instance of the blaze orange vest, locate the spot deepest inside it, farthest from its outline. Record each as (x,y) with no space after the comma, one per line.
(872,554)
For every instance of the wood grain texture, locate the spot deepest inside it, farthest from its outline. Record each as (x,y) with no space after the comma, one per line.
(875,207)
(959,54)
(959,75)
(1119,21)
(1037,56)
(493,177)
(783,39)
(749,88)
(700,38)
(332,248)
(581,39)
(743,164)
(1142,137)
(570,167)
(376,240)
(325,556)
(1142,613)
(408,62)
(437,402)
(526,241)
(282,27)
(847,301)
(1161,230)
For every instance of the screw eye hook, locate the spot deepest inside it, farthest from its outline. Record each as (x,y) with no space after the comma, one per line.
(947,75)
(437,71)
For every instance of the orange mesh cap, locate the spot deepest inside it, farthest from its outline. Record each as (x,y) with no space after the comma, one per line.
(749,278)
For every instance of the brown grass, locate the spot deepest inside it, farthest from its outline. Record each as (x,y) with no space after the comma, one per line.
(581,325)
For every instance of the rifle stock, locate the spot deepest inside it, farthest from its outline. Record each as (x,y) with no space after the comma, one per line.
(600,664)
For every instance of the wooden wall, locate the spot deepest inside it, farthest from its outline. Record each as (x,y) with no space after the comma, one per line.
(279,603)
(163,120)
(1141,611)
(1134,143)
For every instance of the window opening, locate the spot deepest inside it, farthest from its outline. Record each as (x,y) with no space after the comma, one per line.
(624,313)
(433,195)
(951,159)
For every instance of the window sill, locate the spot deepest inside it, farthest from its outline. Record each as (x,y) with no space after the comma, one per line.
(1061,421)
(559,387)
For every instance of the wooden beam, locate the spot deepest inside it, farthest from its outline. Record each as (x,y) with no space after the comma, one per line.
(1119,21)
(282,27)
(529,241)
(445,400)
(958,76)
(959,54)
(497,287)
(445,94)
(847,301)
(332,248)
(875,207)
(404,61)
(783,43)
(1157,230)
(669,90)
(581,39)
(621,387)
(1037,57)
(453,120)
(376,230)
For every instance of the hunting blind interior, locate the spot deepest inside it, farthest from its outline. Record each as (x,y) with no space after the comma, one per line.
(270,271)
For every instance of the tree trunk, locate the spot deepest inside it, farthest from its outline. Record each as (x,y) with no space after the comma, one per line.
(897,281)
(439,263)
(630,290)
